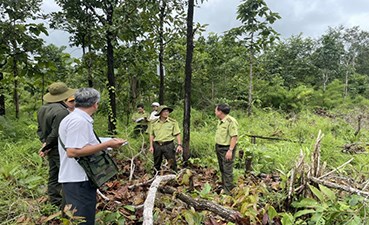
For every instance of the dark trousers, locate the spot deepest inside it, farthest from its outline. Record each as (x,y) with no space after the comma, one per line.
(54,188)
(140,129)
(166,150)
(225,166)
(82,197)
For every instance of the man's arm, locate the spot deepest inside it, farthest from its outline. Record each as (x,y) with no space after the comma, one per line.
(151,149)
(92,149)
(179,143)
(229,154)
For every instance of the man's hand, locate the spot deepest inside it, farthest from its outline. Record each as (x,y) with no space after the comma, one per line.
(179,148)
(116,142)
(151,149)
(43,153)
(228,155)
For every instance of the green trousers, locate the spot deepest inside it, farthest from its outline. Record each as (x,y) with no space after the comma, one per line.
(54,188)
(168,151)
(225,167)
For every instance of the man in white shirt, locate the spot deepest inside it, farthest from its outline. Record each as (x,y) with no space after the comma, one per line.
(76,133)
(153,116)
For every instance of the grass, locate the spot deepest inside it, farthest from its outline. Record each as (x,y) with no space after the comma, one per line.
(23,174)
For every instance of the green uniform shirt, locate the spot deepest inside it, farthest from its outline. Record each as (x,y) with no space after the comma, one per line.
(144,116)
(164,130)
(49,117)
(227,128)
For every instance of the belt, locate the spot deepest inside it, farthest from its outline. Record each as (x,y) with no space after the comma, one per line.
(222,146)
(163,143)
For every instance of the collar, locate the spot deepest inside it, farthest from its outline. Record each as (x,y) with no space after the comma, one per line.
(83,114)
(166,120)
(224,119)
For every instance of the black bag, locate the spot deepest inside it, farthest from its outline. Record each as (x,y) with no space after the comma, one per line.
(99,167)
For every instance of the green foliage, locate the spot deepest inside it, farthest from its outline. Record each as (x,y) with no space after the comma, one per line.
(327,209)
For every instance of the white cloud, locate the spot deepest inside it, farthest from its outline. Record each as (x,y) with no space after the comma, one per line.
(310,17)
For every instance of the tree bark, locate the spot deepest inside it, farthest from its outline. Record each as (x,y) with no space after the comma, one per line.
(249,106)
(112,117)
(201,205)
(2,97)
(188,77)
(15,90)
(161,50)
(150,199)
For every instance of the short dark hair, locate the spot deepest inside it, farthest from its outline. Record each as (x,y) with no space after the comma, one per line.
(224,108)
(140,105)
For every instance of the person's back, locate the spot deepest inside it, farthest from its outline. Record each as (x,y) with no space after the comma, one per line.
(49,117)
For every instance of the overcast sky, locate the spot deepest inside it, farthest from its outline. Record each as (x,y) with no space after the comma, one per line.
(309,17)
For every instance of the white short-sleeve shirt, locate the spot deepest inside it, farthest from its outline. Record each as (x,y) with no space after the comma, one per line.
(75,131)
(152,116)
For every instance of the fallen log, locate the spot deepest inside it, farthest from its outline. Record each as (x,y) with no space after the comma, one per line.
(150,199)
(201,205)
(340,187)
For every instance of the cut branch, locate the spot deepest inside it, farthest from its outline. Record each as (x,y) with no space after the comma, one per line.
(150,199)
(200,205)
(336,169)
(340,187)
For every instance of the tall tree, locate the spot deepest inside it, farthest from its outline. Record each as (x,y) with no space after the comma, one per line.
(20,37)
(328,57)
(354,41)
(188,77)
(170,14)
(256,32)
(76,19)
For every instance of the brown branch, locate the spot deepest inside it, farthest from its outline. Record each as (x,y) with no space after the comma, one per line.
(201,205)
(340,187)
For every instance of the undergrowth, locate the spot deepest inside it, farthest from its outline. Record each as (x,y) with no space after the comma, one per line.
(23,174)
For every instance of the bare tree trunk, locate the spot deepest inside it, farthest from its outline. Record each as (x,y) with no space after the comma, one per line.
(325,80)
(249,108)
(346,84)
(112,117)
(163,6)
(89,65)
(188,77)
(2,97)
(15,91)
(134,88)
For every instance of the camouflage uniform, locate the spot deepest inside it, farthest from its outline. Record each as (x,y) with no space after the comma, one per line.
(164,133)
(226,129)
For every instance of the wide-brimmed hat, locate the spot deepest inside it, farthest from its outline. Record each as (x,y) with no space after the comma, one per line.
(58,92)
(161,108)
(155,104)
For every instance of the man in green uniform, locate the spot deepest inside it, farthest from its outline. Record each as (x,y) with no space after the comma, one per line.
(141,119)
(163,131)
(226,140)
(49,117)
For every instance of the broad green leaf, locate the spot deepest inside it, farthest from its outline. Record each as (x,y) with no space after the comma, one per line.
(272,212)
(328,192)
(306,202)
(287,219)
(316,192)
(130,208)
(189,217)
(304,212)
